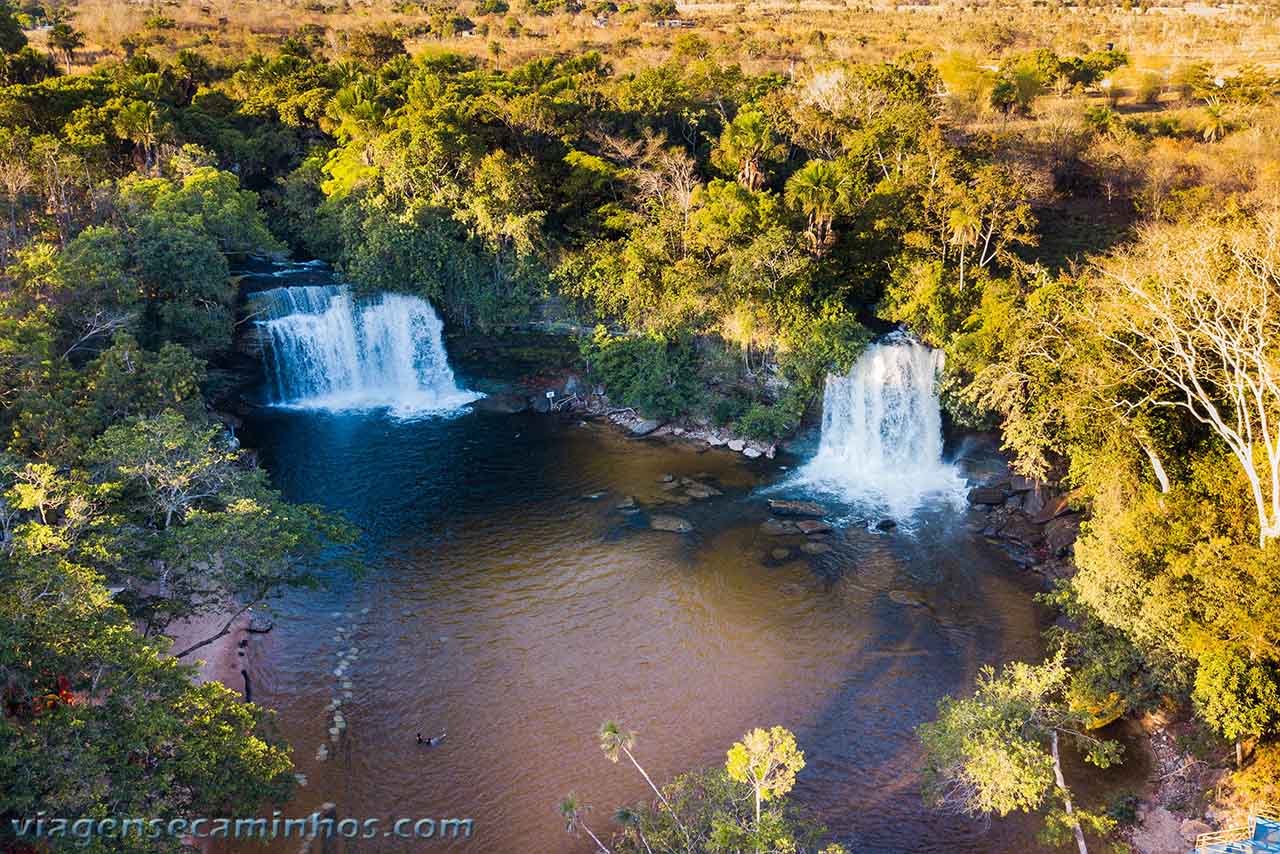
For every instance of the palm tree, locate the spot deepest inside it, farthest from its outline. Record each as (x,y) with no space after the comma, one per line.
(64,39)
(139,122)
(818,190)
(573,813)
(746,144)
(615,741)
(1214,126)
(630,819)
(963,224)
(357,109)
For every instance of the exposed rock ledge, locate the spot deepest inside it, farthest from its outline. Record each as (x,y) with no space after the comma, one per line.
(1036,523)
(570,395)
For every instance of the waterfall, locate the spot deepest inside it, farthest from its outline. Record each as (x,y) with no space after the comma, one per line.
(326,350)
(882,429)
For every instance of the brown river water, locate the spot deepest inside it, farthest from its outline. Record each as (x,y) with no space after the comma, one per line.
(505,605)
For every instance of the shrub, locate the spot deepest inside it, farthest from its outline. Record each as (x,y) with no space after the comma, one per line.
(1259,781)
(766,422)
(830,343)
(648,372)
(727,410)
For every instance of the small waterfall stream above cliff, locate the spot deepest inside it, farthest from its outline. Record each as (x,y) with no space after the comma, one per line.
(882,429)
(326,350)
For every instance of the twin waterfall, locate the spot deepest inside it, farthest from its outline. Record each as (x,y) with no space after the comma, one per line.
(881,424)
(328,350)
(882,430)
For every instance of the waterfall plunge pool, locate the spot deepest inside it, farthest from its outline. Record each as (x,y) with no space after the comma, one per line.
(505,606)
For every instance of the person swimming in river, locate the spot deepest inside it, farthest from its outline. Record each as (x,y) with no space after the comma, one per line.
(431,742)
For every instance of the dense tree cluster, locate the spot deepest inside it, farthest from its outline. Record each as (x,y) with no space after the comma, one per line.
(1104,282)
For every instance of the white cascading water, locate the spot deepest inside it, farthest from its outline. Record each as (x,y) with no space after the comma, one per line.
(328,350)
(882,430)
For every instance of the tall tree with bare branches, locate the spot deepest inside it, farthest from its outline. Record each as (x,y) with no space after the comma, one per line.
(1192,316)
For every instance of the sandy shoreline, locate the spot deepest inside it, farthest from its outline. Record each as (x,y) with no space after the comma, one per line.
(220,661)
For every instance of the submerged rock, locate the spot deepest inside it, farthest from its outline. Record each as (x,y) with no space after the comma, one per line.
(906,597)
(796,508)
(886,525)
(812,548)
(812,526)
(701,490)
(674,524)
(778,528)
(628,502)
(780,554)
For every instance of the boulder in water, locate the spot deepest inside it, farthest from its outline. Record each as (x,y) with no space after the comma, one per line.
(752,453)
(673,524)
(1019,529)
(886,525)
(502,404)
(260,624)
(987,496)
(812,526)
(628,502)
(645,427)
(737,445)
(796,508)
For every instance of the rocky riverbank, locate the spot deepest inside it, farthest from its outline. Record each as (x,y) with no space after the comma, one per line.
(569,395)
(1035,522)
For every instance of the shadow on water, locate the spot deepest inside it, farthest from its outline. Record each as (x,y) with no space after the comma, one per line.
(510,603)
